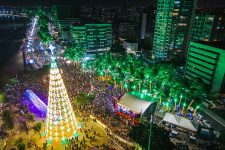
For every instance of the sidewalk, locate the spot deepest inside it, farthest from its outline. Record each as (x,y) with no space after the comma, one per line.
(214,116)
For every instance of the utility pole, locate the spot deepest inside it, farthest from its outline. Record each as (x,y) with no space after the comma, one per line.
(150,133)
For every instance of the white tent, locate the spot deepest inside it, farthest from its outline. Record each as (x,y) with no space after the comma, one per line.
(179,121)
(134,103)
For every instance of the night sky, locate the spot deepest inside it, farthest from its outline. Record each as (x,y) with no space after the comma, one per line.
(107,3)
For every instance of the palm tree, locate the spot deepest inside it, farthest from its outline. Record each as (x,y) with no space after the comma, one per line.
(74,53)
(198,90)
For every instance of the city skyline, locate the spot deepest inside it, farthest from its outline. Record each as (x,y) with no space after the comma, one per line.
(109,3)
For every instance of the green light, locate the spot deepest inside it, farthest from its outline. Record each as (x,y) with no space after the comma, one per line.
(50,141)
(175,100)
(184,104)
(76,134)
(167,104)
(64,141)
(198,107)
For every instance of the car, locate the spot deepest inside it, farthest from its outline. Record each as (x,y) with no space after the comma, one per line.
(199,117)
(207,124)
(192,139)
(173,126)
(217,134)
(168,125)
(173,134)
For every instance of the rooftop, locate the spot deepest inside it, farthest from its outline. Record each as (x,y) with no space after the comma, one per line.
(134,103)
(220,45)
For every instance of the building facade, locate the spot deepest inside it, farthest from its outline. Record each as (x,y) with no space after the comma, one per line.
(129,31)
(172,29)
(206,60)
(93,37)
(209,25)
(131,47)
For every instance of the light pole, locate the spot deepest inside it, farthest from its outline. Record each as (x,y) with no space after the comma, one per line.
(150,133)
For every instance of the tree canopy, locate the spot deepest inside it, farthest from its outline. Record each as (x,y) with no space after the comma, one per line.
(74,52)
(2,97)
(159,80)
(43,31)
(8,119)
(83,98)
(159,140)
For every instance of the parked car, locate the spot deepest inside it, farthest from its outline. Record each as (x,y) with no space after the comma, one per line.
(192,139)
(199,117)
(173,126)
(207,124)
(217,134)
(173,134)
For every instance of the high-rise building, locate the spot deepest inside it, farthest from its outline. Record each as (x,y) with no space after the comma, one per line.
(93,37)
(209,25)
(172,29)
(147,30)
(143,25)
(206,60)
(129,31)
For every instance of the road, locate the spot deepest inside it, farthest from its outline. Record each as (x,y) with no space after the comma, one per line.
(217,122)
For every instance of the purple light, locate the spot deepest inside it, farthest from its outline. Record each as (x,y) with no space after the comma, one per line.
(35,104)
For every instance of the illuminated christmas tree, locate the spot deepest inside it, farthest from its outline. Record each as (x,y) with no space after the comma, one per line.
(61,121)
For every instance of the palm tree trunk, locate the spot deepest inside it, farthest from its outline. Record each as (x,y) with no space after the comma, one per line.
(174,105)
(139,85)
(190,104)
(150,85)
(180,101)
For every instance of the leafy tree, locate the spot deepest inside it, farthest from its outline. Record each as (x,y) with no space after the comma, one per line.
(159,138)
(43,32)
(118,48)
(74,53)
(198,89)
(83,98)
(2,97)
(37,126)
(20,144)
(8,119)
(30,117)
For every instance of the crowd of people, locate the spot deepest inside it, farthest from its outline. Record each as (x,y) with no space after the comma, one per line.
(77,81)
(36,53)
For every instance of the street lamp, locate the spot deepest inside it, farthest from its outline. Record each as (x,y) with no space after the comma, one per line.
(181,96)
(196,109)
(167,106)
(183,108)
(175,100)
(150,133)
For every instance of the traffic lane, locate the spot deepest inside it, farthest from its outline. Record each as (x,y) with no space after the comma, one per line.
(217,126)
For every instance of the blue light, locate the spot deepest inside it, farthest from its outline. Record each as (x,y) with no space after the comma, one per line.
(177,2)
(31,61)
(86,58)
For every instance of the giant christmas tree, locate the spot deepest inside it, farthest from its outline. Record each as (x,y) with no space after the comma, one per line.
(61,122)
